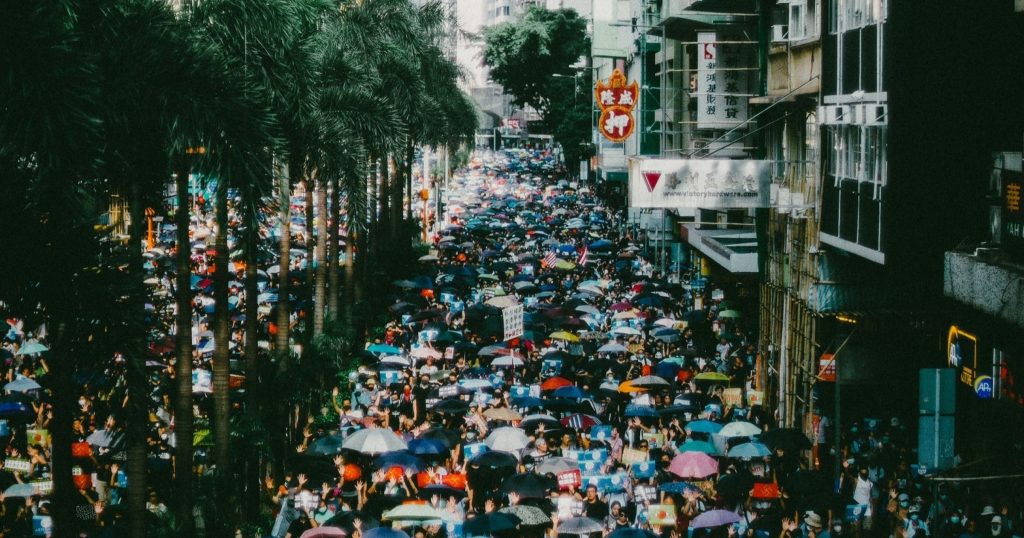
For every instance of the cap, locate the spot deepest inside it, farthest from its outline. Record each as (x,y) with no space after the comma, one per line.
(903,497)
(997,520)
(988,511)
(813,520)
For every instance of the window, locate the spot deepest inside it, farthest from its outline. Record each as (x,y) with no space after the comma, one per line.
(803,19)
(857,153)
(846,15)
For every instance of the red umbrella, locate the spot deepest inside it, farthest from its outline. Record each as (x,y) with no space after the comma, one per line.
(554,383)
(580,421)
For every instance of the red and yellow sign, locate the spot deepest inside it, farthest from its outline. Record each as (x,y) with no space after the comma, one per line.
(616,100)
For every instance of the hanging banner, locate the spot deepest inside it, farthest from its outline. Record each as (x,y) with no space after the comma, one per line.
(723,76)
(616,100)
(705,183)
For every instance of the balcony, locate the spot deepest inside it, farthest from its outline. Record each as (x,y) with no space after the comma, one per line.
(984,282)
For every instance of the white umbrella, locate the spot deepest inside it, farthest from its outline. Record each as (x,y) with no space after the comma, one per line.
(424,352)
(612,347)
(507,439)
(579,525)
(374,441)
(396,359)
(20,490)
(22,384)
(739,429)
(507,360)
(666,322)
(588,309)
(626,331)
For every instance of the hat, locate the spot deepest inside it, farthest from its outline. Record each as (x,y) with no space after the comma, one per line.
(813,520)
(988,511)
(905,497)
(997,520)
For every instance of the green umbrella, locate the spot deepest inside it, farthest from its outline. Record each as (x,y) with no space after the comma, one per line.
(32,348)
(730,314)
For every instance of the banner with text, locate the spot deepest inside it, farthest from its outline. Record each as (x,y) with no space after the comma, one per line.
(724,67)
(704,183)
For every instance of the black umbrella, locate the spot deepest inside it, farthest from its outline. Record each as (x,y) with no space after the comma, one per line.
(527,485)
(446,437)
(452,407)
(788,439)
(494,459)
(326,446)
(489,524)
(735,485)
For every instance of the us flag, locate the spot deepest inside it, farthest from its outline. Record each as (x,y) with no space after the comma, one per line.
(549,259)
(583,255)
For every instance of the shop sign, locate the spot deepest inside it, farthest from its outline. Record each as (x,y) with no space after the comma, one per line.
(962,353)
(616,100)
(723,78)
(984,387)
(705,183)
(1013,213)
(827,368)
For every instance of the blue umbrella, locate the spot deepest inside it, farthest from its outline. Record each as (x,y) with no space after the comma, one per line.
(526,402)
(678,487)
(601,244)
(668,370)
(383,349)
(633,410)
(426,447)
(385,532)
(749,451)
(704,426)
(571,391)
(400,458)
(699,446)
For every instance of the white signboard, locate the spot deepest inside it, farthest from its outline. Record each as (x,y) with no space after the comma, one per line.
(705,183)
(723,78)
(513,318)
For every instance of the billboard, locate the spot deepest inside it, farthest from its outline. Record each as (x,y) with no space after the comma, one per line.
(723,80)
(705,183)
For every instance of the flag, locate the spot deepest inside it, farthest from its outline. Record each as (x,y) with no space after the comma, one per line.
(549,259)
(583,256)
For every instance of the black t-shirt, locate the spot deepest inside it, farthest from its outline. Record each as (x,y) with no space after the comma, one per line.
(595,510)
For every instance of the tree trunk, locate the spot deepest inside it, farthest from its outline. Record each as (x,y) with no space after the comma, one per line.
(136,380)
(386,188)
(310,246)
(320,290)
(252,364)
(221,351)
(350,273)
(409,157)
(284,260)
(396,198)
(65,494)
(183,365)
(335,249)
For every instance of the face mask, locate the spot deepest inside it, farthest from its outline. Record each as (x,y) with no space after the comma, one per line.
(996,529)
(954,520)
(904,504)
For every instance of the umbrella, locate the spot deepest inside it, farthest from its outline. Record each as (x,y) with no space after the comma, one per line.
(446,437)
(749,451)
(627,386)
(452,407)
(612,347)
(562,335)
(629,331)
(383,349)
(427,447)
(489,524)
(413,512)
(703,426)
(528,515)
(634,410)
(103,438)
(678,487)
(649,381)
(579,525)
(374,441)
(398,458)
(711,376)
(580,421)
(323,532)
(326,446)
(385,532)
(714,518)
(570,391)
(493,460)
(729,314)
(554,383)
(441,491)
(507,439)
(739,429)
(631,532)
(693,465)
(20,490)
(698,446)
(32,348)
(507,360)
(526,485)
(526,402)
(735,484)
(503,414)
(22,384)
(556,465)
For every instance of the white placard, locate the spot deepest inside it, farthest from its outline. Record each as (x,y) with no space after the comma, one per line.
(513,320)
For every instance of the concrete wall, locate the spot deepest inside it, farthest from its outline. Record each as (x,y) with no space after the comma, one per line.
(996,289)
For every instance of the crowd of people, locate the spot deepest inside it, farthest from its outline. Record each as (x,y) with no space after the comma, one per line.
(539,377)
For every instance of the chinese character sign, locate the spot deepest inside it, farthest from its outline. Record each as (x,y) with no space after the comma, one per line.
(616,100)
(723,77)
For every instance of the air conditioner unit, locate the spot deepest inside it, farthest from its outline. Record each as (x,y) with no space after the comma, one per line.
(876,114)
(836,114)
(780,33)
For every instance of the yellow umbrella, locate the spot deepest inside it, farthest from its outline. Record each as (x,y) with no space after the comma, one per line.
(563,265)
(628,387)
(562,335)
(711,376)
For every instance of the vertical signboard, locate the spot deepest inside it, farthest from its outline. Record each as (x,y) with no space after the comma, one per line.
(1013,212)
(723,80)
(936,424)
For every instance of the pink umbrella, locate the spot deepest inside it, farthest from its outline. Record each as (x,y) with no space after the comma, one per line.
(323,532)
(693,465)
(620,307)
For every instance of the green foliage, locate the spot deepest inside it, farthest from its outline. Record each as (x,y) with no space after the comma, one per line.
(533,59)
